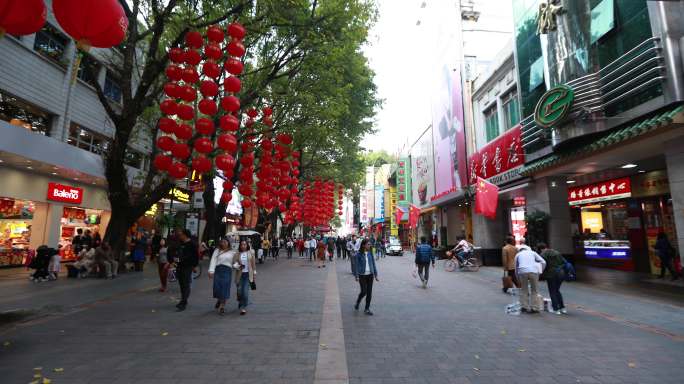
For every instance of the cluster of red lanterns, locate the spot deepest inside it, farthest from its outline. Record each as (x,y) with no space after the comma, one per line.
(319,202)
(92,23)
(188,131)
(340,200)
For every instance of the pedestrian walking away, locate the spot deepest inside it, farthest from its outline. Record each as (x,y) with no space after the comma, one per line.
(528,266)
(554,275)
(666,254)
(220,269)
(366,271)
(424,256)
(508,253)
(244,272)
(163,264)
(188,259)
(320,254)
(290,247)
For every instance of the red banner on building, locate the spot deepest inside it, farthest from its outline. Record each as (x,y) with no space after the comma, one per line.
(64,193)
(498,161)
(607,190)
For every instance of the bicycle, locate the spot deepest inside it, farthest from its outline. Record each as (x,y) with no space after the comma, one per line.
(469,264)
(171,277)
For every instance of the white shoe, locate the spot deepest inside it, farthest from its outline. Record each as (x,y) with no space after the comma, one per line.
(556,312)
(563,311)
(424,284)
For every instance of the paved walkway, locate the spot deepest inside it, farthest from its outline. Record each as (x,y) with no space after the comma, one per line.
(301,328)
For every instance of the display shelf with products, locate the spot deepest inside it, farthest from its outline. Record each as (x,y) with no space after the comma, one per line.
(16,220)
(73,219)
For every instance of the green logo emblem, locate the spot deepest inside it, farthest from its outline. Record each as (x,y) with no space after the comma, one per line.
(553,106)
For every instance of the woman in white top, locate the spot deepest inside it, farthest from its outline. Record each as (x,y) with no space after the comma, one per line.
(220,271)
(244,269)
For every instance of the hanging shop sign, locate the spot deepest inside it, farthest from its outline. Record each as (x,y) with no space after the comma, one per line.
(64,193)
(499,161)
(650,184)
(553,106)
(607,190)
(179,195)
(519,201)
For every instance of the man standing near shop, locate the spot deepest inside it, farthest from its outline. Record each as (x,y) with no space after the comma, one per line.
(528,266)
(508,253)
(424,256)
(187,260)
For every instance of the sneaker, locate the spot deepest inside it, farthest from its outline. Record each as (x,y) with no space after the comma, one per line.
(556,312)
(563,311)
(243,312)
(368,312)
(217,305)
(180,308)
(424,283)
(356,307)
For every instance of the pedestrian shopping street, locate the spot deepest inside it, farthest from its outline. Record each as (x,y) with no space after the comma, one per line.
(301,328)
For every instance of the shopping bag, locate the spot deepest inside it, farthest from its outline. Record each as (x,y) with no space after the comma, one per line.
(507,282)
(414,272)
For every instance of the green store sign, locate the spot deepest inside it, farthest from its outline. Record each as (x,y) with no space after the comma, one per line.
(554,106)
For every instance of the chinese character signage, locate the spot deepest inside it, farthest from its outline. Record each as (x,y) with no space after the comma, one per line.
(363,206)
(394,229)
(499,161)
(607,190)
(379,203)
(403,179)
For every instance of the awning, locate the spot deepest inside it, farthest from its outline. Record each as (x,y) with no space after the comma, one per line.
(513,188)
(607,139)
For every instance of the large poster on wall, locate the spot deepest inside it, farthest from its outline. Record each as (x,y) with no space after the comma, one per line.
(422,169)
(448,135)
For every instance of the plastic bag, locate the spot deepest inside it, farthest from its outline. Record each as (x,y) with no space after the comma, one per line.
(513,309)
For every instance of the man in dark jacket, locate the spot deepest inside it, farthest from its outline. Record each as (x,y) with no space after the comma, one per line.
(187,260)
(424,256)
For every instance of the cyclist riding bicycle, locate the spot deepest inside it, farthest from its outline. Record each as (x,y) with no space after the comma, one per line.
(462,251)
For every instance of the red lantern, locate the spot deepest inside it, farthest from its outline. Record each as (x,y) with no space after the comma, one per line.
(296,154)
(22,17)
(190,75)
(236,48)
(211,69)
(204,126)
(208,107)
(183,131)
(268,111)
(266,145)
(174,72)
(162,162)
(209,88)
(236,30)
(232,84)
(168,107)
(176,55)
(245,190)
(249,123)
(167,125)
(165,143)
(203,145)
(227,142)
(267,121)
(282,207)
(229,123)
(226,197)
(92,23)
(233,66)
(192,57)
(284,138)
(247,159)
(194,39)
(230,104)
(178,170)
(201,164)
(172,90)
(246,203)
(224,162)
(252,113)
(228,185)
(215,34)
(188,93)
(185,112)
(180,151)
(213,51)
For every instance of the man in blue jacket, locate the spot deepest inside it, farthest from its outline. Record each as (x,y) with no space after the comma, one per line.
(424,256)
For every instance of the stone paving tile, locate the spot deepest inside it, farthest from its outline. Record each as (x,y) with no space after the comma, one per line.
(457,331)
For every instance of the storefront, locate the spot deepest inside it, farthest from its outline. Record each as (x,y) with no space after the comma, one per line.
(615,222)
(38,210)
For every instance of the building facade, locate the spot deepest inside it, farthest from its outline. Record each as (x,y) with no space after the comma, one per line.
(54,132)
(601,95)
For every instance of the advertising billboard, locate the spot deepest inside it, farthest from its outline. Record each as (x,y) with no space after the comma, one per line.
(422,169)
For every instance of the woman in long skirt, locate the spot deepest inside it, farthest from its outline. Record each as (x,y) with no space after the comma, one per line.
(220,269)
(244,269)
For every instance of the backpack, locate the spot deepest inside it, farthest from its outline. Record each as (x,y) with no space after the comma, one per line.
(567,270)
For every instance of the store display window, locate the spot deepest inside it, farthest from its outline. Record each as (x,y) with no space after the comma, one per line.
(16,220)
(74,218)
(605,231)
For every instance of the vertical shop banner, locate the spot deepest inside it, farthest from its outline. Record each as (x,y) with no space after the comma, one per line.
(394,229)
(370,192)
(363,207)
(379,201)
(403,180)
(422,169)
(448,135)
(499,161)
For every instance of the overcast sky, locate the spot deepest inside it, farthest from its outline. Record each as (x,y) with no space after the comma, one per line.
(406,57)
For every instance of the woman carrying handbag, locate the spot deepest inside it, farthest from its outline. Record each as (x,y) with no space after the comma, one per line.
(220,269)
(244,268)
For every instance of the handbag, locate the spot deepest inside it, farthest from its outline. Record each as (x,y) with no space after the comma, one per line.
(252,285)
(507,281)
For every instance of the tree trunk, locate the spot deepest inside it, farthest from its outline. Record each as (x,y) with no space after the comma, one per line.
(116,232)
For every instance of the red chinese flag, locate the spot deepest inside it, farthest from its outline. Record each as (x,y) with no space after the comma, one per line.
(414,214)
(486,198)
(398,215)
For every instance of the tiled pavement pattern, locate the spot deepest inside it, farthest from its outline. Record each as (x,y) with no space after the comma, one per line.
(456,331)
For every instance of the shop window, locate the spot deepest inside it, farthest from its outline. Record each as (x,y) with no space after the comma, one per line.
(491,123)
(511,109)
(22,114)
(16,221)
(88,69)
(134,159)
(51,43)
(86,139)
(112,89)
